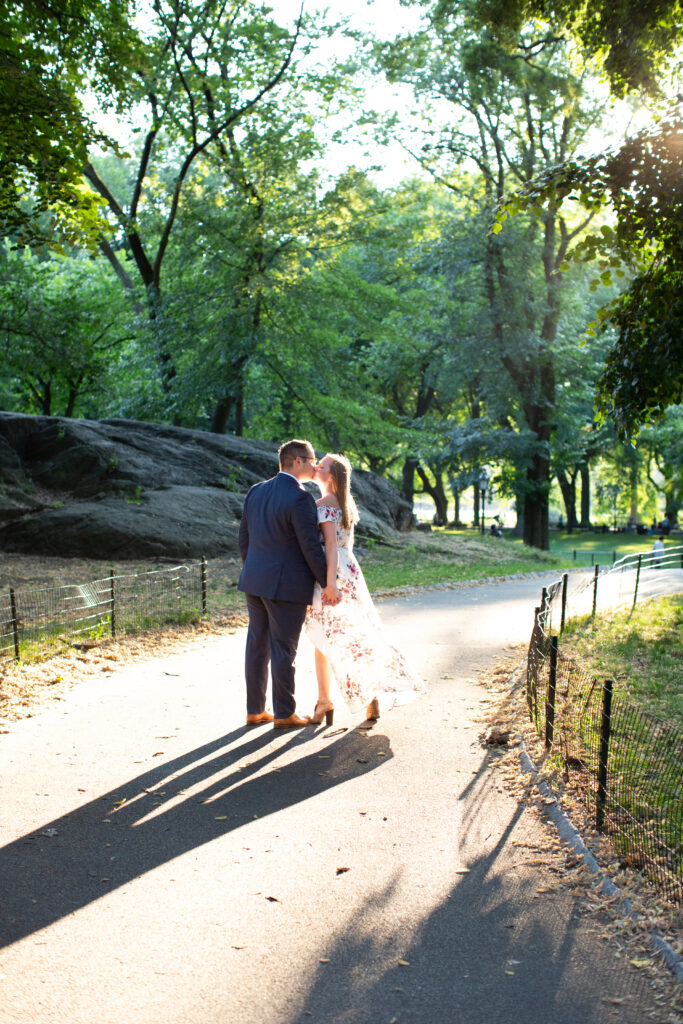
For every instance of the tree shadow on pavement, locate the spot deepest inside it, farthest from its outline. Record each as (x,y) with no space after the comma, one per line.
(489,953)
(177,806)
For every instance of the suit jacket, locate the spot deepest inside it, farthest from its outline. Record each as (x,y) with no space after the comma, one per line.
(280,542)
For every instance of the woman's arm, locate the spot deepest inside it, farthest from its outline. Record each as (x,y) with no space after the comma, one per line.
(330,594)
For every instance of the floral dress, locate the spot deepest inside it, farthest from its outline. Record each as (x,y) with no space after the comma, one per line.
(350,634)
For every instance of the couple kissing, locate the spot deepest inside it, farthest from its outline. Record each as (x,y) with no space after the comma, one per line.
(299,572)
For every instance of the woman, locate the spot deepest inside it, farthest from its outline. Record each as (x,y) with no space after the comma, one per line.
(348,637)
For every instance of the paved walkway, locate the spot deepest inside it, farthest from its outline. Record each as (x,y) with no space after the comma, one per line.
(161,863)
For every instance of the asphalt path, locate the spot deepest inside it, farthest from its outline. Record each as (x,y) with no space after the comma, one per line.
(160,862)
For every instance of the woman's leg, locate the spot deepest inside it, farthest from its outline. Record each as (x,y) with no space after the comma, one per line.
(323,673)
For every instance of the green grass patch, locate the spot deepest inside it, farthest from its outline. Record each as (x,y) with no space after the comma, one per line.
(447,556)
(603,548)
(642,652)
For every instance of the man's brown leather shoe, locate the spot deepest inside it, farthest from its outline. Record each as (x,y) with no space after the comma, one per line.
(293,722)
(261,719)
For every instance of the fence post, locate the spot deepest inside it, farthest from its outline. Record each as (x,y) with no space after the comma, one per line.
(595,589)
(15,622)
(605,729)
(574,554)
(203,583)
(531,667)
(112,602)
(550,695)
(565,581)
(635,592)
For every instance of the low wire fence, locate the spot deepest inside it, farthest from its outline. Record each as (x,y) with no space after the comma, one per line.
(35,624)
(626,763)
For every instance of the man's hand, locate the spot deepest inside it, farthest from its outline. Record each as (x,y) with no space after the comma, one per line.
(331,595)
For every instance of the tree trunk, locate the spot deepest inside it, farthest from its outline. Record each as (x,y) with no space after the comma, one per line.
(519,513)
(239,415)
(536,532)
(455,491)
(633,487)
(408,478)
(537,485)
(221,415)
(584,472)
(437,494)
(47,399)
(568,489)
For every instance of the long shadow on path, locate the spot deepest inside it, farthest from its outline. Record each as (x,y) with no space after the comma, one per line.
(147,821)
(486,955)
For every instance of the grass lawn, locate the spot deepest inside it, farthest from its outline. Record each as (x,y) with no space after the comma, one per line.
(604,548)
(444,556)
(643,652)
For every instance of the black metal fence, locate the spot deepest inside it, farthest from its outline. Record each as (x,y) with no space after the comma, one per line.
(627,764)
(35,624)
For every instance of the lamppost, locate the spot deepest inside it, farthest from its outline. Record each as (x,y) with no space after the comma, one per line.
(483,484)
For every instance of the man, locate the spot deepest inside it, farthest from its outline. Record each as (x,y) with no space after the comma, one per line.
(282,557)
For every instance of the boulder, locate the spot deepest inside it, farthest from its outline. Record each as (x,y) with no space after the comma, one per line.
(125,489)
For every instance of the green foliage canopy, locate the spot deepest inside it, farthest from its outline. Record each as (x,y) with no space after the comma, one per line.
(50,53)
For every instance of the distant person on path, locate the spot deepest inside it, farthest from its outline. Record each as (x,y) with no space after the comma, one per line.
(658,550)
(348,637)
(282,559)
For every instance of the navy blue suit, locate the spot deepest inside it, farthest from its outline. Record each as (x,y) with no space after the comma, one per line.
(282,556)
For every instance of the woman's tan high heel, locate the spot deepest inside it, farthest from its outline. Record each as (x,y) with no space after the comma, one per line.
(323,709)
(372,710)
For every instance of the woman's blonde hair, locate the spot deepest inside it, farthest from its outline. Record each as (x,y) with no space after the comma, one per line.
(340,470)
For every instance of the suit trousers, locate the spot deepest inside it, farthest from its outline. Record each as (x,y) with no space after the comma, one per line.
(272,637)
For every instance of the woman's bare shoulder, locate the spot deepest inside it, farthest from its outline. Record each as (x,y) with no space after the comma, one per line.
(328,501)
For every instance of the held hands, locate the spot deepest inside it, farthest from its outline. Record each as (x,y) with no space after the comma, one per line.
(331,595)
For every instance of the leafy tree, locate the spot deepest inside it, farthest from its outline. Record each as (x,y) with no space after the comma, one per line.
(215,79)
(50,52)
(662,445)
(514,113)
(637,45)
(634,39)
(63,329)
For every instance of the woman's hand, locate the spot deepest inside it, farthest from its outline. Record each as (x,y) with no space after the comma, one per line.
(331,595)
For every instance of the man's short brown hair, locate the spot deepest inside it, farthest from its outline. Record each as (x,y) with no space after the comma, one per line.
(291,450)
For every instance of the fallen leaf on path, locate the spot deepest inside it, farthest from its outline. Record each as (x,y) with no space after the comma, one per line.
(324,960)
(272,899)
(221,817)
(50,832)
(404,963)
(340,871)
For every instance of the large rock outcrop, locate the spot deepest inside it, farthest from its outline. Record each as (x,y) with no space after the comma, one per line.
(126,489)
